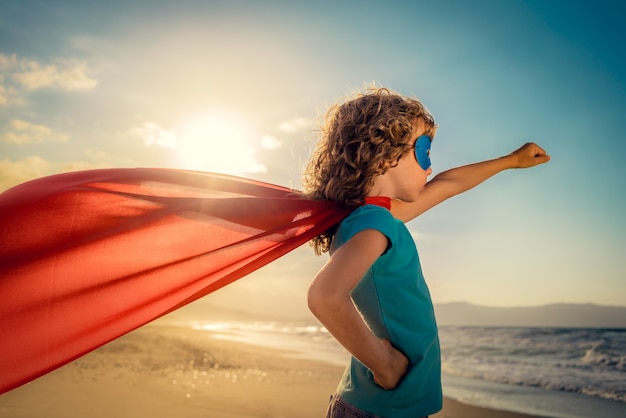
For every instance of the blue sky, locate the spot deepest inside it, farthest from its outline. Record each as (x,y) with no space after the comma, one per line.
(238,86)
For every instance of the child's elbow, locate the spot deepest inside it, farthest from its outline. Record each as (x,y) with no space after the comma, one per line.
(314,300)
(325,304)
(318,301)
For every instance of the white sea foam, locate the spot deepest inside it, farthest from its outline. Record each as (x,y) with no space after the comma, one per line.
(587,361)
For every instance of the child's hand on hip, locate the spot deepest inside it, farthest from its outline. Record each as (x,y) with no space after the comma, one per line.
(396,367)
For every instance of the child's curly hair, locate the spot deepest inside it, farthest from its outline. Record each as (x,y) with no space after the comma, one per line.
(362,138)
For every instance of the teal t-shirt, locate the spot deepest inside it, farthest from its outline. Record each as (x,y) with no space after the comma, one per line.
(395,303)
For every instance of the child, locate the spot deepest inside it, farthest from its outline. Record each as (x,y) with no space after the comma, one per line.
(371,294)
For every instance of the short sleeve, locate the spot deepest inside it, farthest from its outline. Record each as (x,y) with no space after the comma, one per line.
(367,217)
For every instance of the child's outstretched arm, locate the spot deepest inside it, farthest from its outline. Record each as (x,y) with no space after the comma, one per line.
(458,180)
(329,300)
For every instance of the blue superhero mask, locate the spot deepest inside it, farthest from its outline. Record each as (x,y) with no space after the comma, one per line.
(422,151)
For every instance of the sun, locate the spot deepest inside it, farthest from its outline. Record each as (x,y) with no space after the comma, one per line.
(218,142)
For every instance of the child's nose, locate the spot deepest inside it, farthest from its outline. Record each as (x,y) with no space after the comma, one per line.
(429,171)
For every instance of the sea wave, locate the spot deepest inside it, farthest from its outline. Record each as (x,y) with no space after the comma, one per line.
(585,361)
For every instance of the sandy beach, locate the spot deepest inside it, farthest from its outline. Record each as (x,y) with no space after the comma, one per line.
(161,370)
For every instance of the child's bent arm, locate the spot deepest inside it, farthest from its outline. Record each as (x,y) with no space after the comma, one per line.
(458,180)
(329,300)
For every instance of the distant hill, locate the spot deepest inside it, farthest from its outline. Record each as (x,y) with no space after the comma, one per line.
(555,315)
(448,314)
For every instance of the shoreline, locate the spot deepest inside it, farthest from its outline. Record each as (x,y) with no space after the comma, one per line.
(162,370)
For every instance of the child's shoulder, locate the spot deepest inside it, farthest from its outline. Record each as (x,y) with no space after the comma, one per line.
(369,214)
(367,217)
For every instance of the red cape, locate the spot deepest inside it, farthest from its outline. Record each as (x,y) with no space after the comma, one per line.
(86,257)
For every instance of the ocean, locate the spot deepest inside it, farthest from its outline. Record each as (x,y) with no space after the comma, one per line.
(552,372)
(558,372)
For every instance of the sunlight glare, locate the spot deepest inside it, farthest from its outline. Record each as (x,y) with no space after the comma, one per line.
(220,143)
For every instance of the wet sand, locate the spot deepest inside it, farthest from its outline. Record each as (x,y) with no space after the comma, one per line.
(168,371)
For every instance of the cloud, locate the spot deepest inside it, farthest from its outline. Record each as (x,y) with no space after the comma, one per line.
(8,94)
(21,132)
(65,76)
(270,142)
(4,100)
(20,75)
(16,172)
(295,124)
(29,168)
(8,62)
(153,134)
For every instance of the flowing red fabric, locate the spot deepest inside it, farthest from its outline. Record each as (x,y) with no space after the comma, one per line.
(86,257)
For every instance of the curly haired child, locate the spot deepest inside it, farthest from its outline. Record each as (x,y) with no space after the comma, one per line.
(374,156)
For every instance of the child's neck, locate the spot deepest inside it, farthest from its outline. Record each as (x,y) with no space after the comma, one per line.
(381,187)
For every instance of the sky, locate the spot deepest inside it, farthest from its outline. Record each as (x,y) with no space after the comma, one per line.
(239,87)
